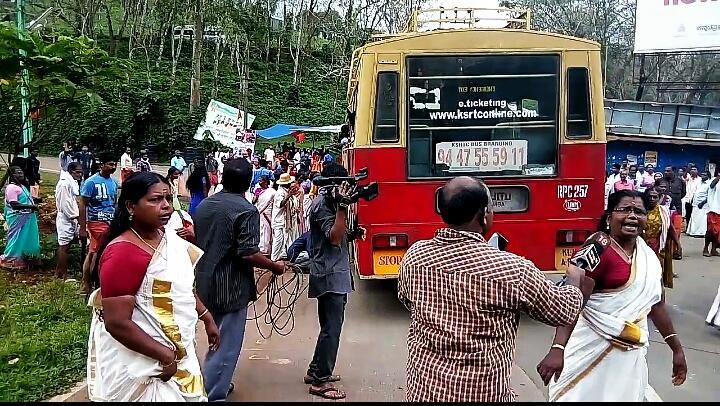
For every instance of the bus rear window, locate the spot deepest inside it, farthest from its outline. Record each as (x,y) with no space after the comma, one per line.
(493,115)
(386,108)
(578,125)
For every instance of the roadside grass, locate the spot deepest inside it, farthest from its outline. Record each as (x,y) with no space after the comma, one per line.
(44,323)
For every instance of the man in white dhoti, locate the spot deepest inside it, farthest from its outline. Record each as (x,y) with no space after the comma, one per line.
(143,330)
(264,204)
(697,227)
(286,206)
(602,356)
(67,191)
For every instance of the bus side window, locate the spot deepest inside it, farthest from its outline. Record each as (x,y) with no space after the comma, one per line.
(386,108)
(578,103)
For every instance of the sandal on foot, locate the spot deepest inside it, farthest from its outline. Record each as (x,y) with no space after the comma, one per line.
(309,379)
(328,392)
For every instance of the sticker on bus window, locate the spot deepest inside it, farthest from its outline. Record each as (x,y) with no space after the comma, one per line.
(482,156)
(539,170)
(530,105)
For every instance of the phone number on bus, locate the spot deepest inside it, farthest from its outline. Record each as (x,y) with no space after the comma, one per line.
(482,156)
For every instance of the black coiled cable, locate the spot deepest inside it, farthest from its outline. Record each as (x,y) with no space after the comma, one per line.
(280,297)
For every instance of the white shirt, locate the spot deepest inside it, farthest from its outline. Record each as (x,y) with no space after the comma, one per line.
(691,186)
(126,161)
(269,154)
(278,213)
(610,183)
(714,198)
(67,191)
(701,194)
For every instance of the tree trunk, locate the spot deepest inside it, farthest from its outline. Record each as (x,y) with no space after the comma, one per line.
(197,56)
(111,32)
(176,55)
(269,39)
(298,52)
(215,69)
(244,74)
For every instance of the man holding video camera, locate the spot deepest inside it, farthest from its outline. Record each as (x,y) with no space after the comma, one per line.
(330,277)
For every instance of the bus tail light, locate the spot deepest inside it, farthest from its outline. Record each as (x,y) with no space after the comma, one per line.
(390,241)
(571,237)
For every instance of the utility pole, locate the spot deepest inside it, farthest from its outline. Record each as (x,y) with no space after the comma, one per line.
(27,131)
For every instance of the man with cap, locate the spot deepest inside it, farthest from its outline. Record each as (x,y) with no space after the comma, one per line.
(286,207)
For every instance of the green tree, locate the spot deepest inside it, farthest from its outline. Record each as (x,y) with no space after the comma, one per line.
(63,71)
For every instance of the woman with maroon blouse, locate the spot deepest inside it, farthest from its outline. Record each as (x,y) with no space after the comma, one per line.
(602,356)
(142,336)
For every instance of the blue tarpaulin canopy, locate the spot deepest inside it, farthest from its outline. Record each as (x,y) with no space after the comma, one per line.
(281,130)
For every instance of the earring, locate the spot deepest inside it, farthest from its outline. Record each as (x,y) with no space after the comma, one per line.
(131,217)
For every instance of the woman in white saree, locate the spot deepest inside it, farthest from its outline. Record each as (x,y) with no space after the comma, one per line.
(142,335)
(602,356)
(264,204)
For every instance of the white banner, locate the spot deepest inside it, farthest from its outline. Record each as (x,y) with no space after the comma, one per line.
(677,25)
(482,156)
(223,123)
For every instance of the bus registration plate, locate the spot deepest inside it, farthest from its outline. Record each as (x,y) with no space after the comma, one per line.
(387,261)
(482,156)
(562,256)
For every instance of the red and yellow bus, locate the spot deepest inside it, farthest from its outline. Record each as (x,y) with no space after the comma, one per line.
(521,109)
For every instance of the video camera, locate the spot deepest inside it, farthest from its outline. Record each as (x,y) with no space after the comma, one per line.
(366,192)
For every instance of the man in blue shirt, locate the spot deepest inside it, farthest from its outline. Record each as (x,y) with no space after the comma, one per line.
(178,162)
(97,209)
(261,171)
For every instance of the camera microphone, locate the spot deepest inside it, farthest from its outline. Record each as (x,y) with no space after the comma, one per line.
(587,257)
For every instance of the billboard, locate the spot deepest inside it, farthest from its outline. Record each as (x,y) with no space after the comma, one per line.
(677,25)
(224,124)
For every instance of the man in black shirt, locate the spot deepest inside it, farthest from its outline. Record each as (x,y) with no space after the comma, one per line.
(676,188)
(330,279)
(227,229)
(86,159)
(32,173)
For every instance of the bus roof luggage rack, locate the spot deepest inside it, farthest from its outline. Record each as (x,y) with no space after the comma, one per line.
(460,17)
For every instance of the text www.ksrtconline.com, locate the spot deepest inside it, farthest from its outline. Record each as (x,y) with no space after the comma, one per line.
(480,114)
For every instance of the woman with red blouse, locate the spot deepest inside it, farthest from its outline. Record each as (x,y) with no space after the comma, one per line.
(601,357)
(142,336)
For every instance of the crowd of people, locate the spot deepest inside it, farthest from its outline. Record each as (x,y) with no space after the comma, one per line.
(685,204)
(154,270)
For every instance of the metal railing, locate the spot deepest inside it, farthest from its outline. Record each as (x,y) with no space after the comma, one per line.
(664,120)
(459,17)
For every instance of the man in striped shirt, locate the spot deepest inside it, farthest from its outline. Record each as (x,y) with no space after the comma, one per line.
(465,297)
(227,228)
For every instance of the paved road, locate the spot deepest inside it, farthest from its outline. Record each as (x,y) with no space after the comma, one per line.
(372,354)
(373,350)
